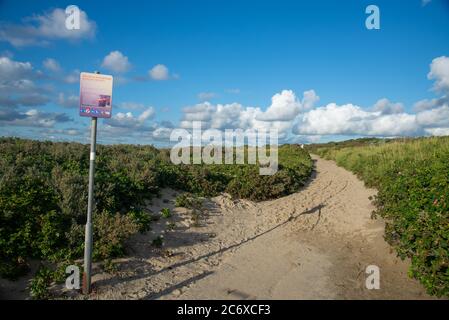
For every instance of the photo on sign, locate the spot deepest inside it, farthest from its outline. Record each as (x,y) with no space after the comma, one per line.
(95,95)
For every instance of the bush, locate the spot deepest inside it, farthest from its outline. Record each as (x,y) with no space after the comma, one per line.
(187,200)
(165,213)
(43,194)
(110,232)
(141,218)
(40,284)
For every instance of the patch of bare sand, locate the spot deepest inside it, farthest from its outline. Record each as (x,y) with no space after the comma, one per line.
(314,244)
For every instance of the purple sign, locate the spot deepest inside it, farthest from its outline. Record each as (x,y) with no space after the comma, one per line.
(95,95)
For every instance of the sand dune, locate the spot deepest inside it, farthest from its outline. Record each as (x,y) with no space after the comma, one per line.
(314,244)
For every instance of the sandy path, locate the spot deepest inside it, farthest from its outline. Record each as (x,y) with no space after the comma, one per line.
(314,244)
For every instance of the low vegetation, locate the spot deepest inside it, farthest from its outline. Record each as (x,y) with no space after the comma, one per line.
(43,196)
(412,177)
(165,213)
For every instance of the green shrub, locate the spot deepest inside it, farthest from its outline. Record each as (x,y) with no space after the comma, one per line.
(141,218)
(110,232)
(43,194)
(40,284)
(109,266)
(165,213)
(187,200)
(182,200)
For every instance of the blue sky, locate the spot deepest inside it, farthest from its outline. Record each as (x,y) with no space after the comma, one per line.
(226,60)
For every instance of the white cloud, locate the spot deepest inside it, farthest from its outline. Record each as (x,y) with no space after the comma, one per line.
(437,131)
(17,86)
(115,61)
(128,120)
(290,115)
(280,114)
(385,106)
(353,120)
(162,134)
(13,70)
(430,104)
(147,114)
(51,65)
(39,29)
(309,100)
(284,107)
(32,118)
(159,72)
(439,71)
(425,2)
(437,117)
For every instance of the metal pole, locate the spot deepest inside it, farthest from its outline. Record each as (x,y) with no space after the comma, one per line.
(90,203)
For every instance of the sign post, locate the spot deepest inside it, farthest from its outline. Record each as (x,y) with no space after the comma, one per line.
(95,102)
(88,233)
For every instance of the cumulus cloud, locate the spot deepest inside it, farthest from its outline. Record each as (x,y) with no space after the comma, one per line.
(438,117)
(32,99)
(159,72)
(284,107)
(309,100)
(437,131)
(17,85)
(117,62)
(128,120)
(427,104)
(18,89)
(213,116)
(385,106)
(296,118)
(11,70)
(350,119)
(280,115)
(385,118)
(293,117)
(439,71)
(40,29)
(32,118)
(162,134)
